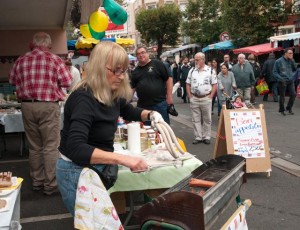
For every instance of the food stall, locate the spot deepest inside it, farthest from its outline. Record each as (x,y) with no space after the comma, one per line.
(171,182)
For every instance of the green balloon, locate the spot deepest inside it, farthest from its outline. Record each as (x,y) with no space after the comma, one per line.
(96,35)
(115,12)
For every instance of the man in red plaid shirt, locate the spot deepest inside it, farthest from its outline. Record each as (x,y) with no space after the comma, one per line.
(39,77)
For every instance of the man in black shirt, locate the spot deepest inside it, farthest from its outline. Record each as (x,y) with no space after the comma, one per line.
(151,81)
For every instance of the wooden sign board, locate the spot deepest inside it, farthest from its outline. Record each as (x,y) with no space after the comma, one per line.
(243,132)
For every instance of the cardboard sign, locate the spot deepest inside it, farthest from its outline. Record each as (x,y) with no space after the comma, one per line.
(243,132)
(247,134)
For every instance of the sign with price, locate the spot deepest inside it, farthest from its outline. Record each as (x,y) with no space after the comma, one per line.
(243,132)
(247,135)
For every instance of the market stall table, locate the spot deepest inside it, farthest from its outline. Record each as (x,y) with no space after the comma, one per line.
(149,182)
(11,122)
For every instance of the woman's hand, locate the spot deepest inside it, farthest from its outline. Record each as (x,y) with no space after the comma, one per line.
(136,164)
(156,117)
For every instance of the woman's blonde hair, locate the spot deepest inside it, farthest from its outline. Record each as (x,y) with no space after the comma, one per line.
(114,56)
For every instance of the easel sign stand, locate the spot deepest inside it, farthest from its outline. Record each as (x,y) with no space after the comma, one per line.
(243,132)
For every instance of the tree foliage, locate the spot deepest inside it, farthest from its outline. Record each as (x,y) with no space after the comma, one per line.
(159,25)
(252,22)
(248,22)
(202,21)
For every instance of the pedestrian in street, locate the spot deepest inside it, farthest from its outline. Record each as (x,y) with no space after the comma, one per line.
(226,84)
(40,77)
(90,120)
(244,77)
(283,71)
(175,68)
(215,67)
(75,75)
(153,84)
(182,76)
(257,74)
(227,61)
(201,85)
(267,73)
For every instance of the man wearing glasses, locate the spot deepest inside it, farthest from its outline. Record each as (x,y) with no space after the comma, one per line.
(283,71)
(152,83)
(201,85)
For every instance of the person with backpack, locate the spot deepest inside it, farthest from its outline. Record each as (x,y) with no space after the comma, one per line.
(257,74)
(182,76)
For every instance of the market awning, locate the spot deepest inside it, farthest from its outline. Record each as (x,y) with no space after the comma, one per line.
(257,49)
(225,45)
(131,57)
(287,40)
(181,48)
(87,43)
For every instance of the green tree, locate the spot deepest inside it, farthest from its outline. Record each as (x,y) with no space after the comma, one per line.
(252,22)
(202,21)
(159,25)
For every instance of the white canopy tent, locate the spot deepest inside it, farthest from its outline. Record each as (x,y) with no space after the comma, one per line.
(181,48)
(285,37)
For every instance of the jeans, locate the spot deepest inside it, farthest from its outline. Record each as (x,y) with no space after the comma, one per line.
(283,86)
(162,109)
(67,176)
(273,87)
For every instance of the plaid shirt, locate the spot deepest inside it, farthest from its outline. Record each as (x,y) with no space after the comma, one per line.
(40,75)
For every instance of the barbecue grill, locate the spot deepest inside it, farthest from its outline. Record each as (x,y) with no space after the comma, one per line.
(196,208)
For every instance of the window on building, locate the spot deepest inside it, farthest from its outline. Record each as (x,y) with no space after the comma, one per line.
(296,6)
(182,7)
(151,6)
(286,29)
(168,2)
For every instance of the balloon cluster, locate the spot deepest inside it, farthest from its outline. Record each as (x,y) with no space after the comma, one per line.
(98,21)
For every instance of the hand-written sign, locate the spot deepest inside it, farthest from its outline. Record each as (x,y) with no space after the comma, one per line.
(247,134)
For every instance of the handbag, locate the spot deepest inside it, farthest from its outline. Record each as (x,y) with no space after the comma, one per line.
(179,92)
(262,87)
(108,176)
(171,110)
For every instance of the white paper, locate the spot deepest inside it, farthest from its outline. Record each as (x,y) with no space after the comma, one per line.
(134,137)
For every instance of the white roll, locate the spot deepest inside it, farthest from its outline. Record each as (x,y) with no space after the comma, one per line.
(134,137)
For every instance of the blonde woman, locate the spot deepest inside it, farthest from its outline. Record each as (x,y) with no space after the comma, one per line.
(90,119)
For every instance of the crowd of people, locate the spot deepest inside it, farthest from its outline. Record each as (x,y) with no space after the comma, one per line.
(205,82)
(42,79)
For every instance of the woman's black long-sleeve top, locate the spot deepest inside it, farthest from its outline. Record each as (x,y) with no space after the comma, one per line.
(89,124)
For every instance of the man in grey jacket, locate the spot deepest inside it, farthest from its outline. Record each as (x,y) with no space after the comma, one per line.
(283,71)
(244,77)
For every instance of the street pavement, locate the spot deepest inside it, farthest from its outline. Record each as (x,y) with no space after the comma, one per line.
(275,200)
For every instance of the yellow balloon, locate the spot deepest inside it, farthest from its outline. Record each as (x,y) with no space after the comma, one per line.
(85,30)
(98,21)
